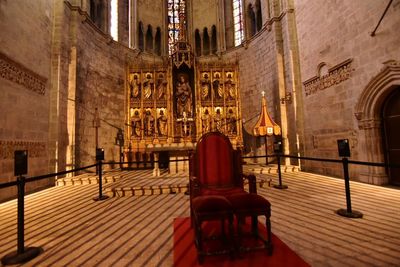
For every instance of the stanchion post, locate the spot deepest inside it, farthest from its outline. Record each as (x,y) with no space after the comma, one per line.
(280,185)
(20,215)
(23,254)
(348,212)
(100,168)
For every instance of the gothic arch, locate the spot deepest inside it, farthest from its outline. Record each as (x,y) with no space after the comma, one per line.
(149,39)
(368,113)
(206,42)
(141,36)
(213,39)
(197,42)
(252,23)
(157,42)
(258,15)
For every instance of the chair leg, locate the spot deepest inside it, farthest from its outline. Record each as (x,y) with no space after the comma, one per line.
(254,226)
(199,242)
(240,221)
(223,229)
(269,233)
(231,237)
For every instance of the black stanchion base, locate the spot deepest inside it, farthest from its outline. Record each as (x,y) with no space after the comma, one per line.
(353,214)
(277,186)
(15,258)
(103,197)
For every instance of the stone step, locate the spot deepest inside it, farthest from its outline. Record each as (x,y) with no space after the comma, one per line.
(270,169)
(161,189)
(146,190)
(86,179)
(139,183)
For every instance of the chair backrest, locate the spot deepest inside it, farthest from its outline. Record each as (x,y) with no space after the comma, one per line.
(214,161)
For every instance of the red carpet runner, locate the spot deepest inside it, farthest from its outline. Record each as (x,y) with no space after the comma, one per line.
(185,253)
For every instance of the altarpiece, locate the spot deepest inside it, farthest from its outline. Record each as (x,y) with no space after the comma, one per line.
(171,104)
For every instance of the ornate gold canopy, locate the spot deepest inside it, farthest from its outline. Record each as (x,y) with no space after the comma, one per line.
(265,125)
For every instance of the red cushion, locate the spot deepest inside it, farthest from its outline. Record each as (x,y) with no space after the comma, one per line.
(248,202)
(222,191)
(208,204)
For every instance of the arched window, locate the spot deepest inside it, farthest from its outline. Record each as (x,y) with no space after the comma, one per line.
(157,48)
(251,19)
(213,39)
(96,10)
(149,39)
(141,36)
(93,8)
(197,40)
(258,15)
(206,42)
(238,21)
(100,15)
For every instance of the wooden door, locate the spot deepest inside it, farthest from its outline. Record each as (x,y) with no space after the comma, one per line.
(391,129)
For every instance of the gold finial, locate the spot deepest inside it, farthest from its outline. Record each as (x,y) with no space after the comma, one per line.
(263,93)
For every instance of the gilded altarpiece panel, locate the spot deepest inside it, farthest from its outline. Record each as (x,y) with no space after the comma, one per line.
(148,106)
(218,101)
(155,118)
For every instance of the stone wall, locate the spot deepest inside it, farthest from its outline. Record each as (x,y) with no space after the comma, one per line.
(257,72)
(24,93)
(100,83)
(329,34)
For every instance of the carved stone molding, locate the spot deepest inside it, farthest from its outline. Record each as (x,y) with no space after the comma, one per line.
(370,124)
(35,149)
(15,72)
(336,75)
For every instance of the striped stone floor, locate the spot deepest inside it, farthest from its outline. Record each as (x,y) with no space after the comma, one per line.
(136,230)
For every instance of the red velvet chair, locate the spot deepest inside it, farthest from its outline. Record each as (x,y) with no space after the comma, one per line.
(217,191)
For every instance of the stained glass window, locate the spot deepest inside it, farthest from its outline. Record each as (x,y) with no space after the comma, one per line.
(238,21)
(175,7)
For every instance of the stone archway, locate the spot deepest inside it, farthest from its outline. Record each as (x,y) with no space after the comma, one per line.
(368,113)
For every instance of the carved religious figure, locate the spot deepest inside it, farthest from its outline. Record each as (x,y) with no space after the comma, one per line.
(148,86)
(218,122)
(148,124)
(134,85)
(162,122)
(161,86)
(217,87)
(205,87)
(231,122)
(206,121)
(230,87)
(136,123)
(183,96)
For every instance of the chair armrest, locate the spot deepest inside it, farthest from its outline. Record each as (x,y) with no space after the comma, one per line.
(252,182)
